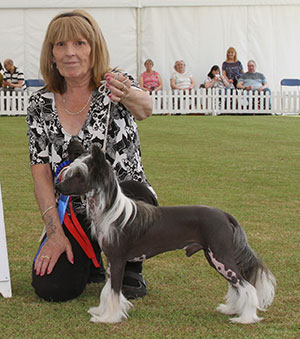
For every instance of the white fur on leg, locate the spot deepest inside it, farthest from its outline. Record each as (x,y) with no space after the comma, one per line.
(231,298)
(113,307)
(247,304)
(265,287)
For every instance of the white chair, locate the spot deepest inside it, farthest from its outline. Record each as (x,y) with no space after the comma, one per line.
(290,83)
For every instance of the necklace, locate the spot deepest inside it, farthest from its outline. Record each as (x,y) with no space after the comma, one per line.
(78,112)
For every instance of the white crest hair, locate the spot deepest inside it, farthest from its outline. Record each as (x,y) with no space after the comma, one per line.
(77,165)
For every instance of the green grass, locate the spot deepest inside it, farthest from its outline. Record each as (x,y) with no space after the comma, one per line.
(247,166)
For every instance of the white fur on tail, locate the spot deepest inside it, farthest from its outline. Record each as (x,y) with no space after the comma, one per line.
(265,287)
(113,308)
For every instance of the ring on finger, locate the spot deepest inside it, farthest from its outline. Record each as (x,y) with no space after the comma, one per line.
(45,257)
(123,88)
(116,76)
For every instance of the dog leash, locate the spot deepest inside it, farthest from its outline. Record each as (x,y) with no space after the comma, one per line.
(73,225)
(110,105)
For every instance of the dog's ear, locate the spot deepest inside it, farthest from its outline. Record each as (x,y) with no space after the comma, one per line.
(97,154)
(100,168)
(75,150)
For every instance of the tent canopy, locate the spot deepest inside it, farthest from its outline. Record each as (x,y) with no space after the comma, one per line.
(199,32)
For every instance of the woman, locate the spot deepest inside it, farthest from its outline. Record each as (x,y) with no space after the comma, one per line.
(181,79)
(215,80)
(232,68)
(150,80)
(76,104)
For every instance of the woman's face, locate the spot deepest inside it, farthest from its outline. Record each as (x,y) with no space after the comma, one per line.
(231,55)
(180,67)
(73,58)
(148,65)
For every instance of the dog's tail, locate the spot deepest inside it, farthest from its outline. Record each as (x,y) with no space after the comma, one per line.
(251,266)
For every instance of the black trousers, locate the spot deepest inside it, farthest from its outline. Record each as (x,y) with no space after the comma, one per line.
(67,281)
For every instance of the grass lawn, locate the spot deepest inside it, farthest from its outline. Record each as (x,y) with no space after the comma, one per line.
(246,165)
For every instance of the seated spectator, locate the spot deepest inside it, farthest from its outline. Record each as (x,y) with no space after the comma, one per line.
(215,79)
(181,79)
(232,68)
(13,77)
(252,80)
(150,80)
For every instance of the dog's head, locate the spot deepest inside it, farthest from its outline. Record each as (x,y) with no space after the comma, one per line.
(86,172)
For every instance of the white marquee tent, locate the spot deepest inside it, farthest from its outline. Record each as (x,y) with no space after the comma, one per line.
(199,32)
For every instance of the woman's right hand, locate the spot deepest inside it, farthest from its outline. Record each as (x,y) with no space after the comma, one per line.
(53,248)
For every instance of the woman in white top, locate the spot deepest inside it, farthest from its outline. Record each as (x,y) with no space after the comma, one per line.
(181,79)
(215,79)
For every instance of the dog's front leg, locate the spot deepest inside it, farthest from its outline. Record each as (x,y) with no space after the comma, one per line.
(113,305)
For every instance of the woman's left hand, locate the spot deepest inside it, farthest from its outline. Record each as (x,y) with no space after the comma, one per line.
(118,85)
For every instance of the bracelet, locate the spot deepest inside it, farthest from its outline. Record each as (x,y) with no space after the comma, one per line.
(47,210)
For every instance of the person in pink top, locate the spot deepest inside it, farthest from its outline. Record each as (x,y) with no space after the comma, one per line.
(150,80)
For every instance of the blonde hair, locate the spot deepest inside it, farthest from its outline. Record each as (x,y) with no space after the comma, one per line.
(74,25)
(231,49)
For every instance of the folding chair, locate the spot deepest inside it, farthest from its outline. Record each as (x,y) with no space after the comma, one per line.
(290,83)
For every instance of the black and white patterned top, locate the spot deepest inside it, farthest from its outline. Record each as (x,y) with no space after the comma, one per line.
(48,141)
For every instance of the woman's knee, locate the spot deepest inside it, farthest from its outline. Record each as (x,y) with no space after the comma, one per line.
(66,281)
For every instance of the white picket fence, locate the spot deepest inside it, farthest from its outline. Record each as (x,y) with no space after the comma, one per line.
(215,102)
(14,103)
(200,101)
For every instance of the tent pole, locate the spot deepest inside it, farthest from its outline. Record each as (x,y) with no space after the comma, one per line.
(138,39)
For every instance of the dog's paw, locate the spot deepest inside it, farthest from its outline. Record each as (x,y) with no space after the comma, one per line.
(95,311)
(246,319)
(225,309)
(95,320)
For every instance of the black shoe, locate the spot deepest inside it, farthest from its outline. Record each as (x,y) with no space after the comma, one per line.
(96,276)
(134,285)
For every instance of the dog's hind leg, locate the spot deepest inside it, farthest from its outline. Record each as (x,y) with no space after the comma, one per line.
(231,305)
(113,305)
(241,298)
(246,304)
